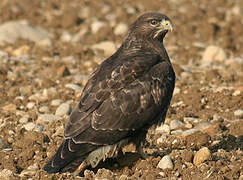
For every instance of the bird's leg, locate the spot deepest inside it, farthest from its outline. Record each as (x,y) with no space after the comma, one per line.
(80,168)
(142,153)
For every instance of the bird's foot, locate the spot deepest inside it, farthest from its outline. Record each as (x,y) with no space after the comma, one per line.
(80,168)
(142,153)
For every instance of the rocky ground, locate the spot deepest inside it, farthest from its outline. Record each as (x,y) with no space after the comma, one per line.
(48,49)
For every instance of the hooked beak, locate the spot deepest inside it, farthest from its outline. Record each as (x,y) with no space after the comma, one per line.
(166,25)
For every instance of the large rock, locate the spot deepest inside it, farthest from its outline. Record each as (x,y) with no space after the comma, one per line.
(13,30)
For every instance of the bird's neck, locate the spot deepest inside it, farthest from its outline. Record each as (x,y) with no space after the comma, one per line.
(135,44)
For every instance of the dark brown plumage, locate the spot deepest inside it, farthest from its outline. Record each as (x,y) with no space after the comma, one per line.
(128,93)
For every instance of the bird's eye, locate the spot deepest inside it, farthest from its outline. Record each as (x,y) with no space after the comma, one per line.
(153,22)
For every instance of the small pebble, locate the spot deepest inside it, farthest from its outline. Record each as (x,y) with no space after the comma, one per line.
(23,120)
(6,174)
(166,163)
(66,37)
(44,109)
(239,113)
(188,132)
(202,155)
(74,87)
(56,102)
(236,93)
(38,97)
(176,124)
(30,105)
(177,132)
(63,109)
(123,177)
(121,29)
(96,26)
(162,139)
(107,46)
(190,119)
(188,125)
(216,117)
(162,174)
(165,128)
(47,118)
(29,126)
(30,171)
(176,91)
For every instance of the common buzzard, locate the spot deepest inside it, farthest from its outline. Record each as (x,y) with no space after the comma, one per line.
(128,93)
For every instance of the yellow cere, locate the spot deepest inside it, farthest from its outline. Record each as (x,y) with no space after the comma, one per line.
(167,22)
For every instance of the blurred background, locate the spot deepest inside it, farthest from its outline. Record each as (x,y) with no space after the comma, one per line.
(49,47)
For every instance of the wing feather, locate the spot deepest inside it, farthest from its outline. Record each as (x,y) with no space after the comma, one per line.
(118,97)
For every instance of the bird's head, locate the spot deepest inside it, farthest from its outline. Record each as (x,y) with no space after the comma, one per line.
(152,25)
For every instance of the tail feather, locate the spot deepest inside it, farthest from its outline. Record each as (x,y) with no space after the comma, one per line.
(67,153)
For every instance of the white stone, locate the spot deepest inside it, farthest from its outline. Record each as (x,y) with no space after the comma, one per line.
(74,87)
(44,109)
(13,30)
(29,126)
(96,26)
(239,113)
(121,29)
(6,174)
(214,53)
(176,124)
(188,125)
(162,174)
(23,120)
(63,109)
(30,171)
(165,128)
(176,91)
(190,119)
(162,139)
(107,46)
(189,132)
(47,118)
(66,37)
(166,163)
(56,102)
(177,132)
(37,97)
(21,51)
(30,105)
(216,117)
(33,167)
(236,93)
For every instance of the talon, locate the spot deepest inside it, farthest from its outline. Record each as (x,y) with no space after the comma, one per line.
(80,168)
(142,153)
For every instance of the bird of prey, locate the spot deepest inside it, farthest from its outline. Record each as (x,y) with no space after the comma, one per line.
(126,95)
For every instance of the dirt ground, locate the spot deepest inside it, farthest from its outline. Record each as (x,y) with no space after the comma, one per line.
(208,97)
